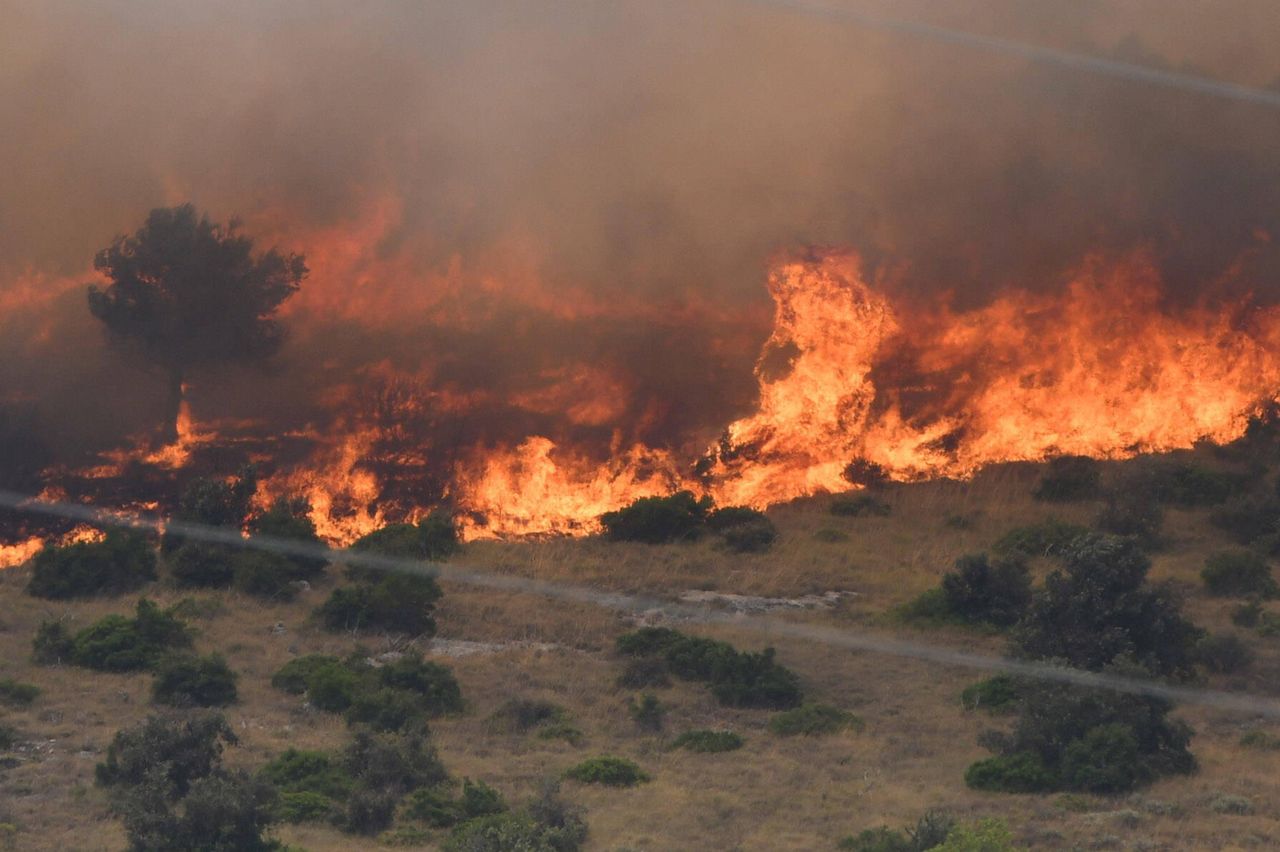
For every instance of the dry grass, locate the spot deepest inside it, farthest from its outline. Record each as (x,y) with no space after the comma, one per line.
(773,794)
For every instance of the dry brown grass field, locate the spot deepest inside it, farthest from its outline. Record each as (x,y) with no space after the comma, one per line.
(775,793)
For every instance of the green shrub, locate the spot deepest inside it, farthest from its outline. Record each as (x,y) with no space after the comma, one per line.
(177,749)
(881,839)
(1099,608)
(289,519)
(52,645)
(1137,516)
(314,772)
(608,770)
(1020,772)
(813,720)
(1248,517)
(305,806)
(751,538)
(648,713)
(658,520)
(1223,653)
(560,731)
(222,811)
(434,683)
(521,715)
(858,505)
(435,537)
(979,591)
(1070,478)
(216,502)
(265,575)
(191,681)
(1238,573)
(122,562)
(1105,760)
(370,810)
(1189,485)
(197,564)
(119,644)
(737,679)
(396,603)
(294,675)
(435,807)
(708,742)
(385,768)
(644,672)
(929,607)
(16,694)
(388,710)
(1260,740)
(1050,537)
(995,694)
(1247,614)
(985,835)
(332,687)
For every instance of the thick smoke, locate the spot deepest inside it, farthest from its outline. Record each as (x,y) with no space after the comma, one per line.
(561,202)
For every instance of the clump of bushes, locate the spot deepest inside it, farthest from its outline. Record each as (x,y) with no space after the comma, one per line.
(978,591)
(115,643)
(434,537)
(546,824)
(1223,653)
(122,562)
(16,694)
(858,505)
(1189,485)
(1132,513)
(522,715)
(1249,518)
(1070,478)
(648,713)
(384,768)
(996,694)
(929,832)
(684,517)
(736,678)
(658,520)
(438,809)
(812,720)
(608,770)
(184,680)
(1238,573)
(166,780)
(390,602)
(1050,537)
(312,785)
(1099,608)
(708,742)
(397,696)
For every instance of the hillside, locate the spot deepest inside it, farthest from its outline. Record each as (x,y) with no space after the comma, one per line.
(775,792)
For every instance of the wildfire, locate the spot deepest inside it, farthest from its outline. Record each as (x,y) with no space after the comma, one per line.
(12,555)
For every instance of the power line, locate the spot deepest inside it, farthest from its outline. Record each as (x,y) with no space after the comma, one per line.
(766,625)
(1037,53)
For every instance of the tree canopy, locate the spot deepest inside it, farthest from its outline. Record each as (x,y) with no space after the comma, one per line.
(187,292)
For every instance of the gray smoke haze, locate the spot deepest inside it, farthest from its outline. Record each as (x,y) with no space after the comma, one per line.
(656,152)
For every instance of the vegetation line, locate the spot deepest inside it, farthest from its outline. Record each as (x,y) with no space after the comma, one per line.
(839,638)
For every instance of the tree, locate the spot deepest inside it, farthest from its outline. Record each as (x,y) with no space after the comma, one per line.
(187,292)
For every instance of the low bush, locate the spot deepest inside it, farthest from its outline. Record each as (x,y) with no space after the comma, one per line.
(658,520)
(175,749)
(395,603)
(979,591)
(1248,517)
(395,696)
(865,473)
(608,770)
(644,672)
(191,681)
(859,505)
(52,645)
(929,832)
(223,811)
(1070,478)
(1020,772)
(812,720)
(290,519)
(648,713)
(119,644)
(197,564)
(1105,760)
(995,694)
(1261,741)
(546,824)
(124,561)
(1050,537)
(1247,614)
(708,742)
(755,537)
(433,538)
(1190,485)
(522,715)
(313,772)
(266,575)
(1238,573)
(736,678)
(984,835)
(303,806)
(1223,653)
(294,675)
(1137,516)
(385,768)
(16,694)
(438,809)
(929,607)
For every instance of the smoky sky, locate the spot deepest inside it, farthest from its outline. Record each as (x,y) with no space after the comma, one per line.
(654,151)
